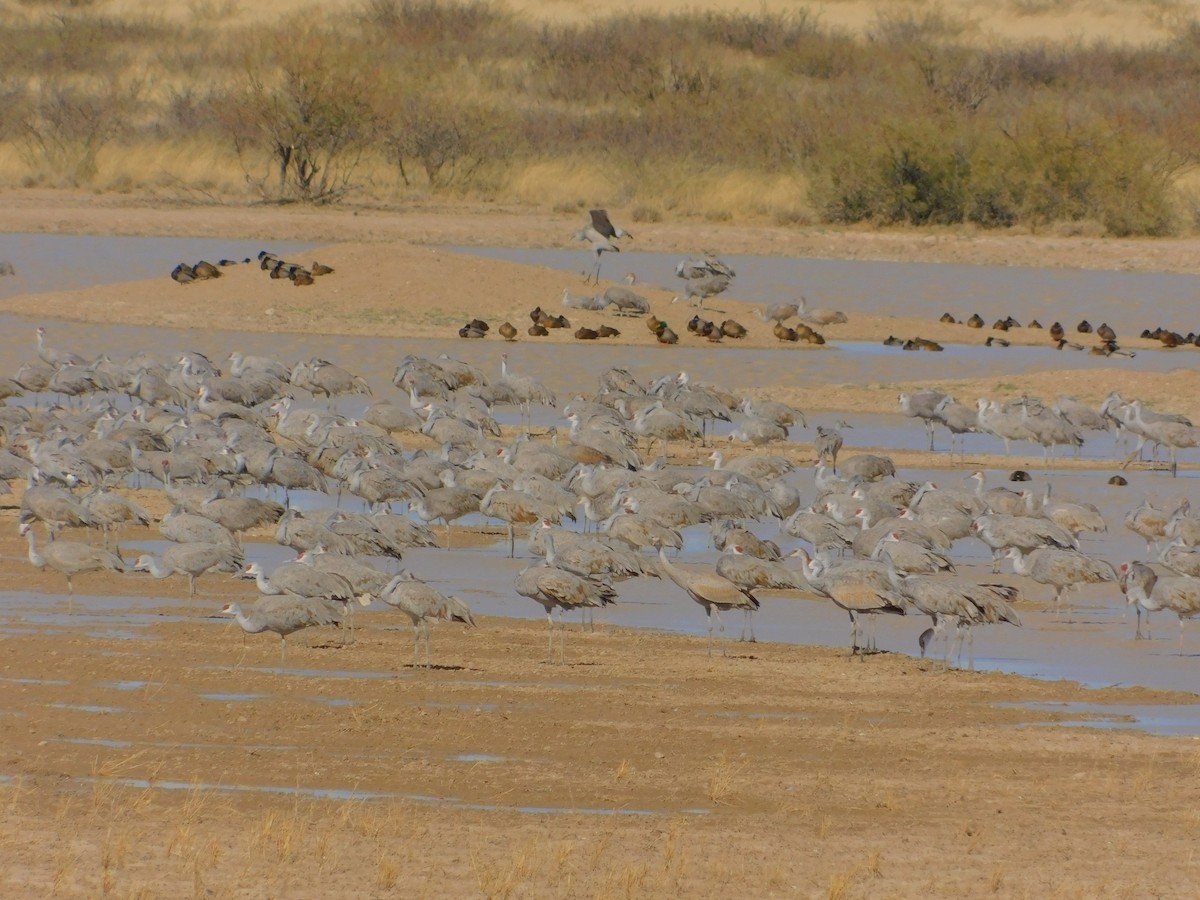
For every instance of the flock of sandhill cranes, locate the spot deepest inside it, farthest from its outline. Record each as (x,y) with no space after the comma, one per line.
(871,543)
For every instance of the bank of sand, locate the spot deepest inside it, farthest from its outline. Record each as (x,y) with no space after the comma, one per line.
(641,768)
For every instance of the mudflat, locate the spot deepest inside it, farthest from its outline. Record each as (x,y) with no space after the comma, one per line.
(151,751)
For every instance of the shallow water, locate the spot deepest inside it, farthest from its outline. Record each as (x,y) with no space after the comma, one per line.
(1097,649)
(57,262)
(1129,301)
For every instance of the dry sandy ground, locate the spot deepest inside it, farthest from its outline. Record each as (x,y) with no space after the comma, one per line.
(777,771)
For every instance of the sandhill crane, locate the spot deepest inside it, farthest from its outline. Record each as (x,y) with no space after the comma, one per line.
(527,390)
(627,302)
(751,574)
(320,376)
(1173,435)
(364,579)
(868,467)
(186,528)
(1180,559)
(55,357)
(55,508)
(559,589)
(911,558)
(1008,426)
(1141,575)
(598,233)
(640,531)
(421,603)
(240,364)
(1074,517)
(301,580)
(238,514)
(447,503)
(857,588)
(777,312)
(822,532)
(578,301)
(712,591)
(1180,595)
(191,560)
(999,499)
(964,603)
(1149,522)
(757,430)
(703,277)
(284,616)
(1061,569)
(819,316)
(922,405)
(828,445)
(69,558)
(302,534)
(959,419)
(1001,533)
(514,508)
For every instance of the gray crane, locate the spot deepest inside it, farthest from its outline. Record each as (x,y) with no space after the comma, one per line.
(1001,533)
(422,603)
(712,591)
(828,444)
(868,467)
(777,312)
(590,302)
(285,615)
(599,233)
(963,603)
(922,405)
(301,580)
(320,376)
(1149,522)
(188,528)
(70,558)
(1180,595)
(238,514)
(527,390)
(191,560)
(364,579)
(1008,426)
(628,302)
(819,316)
(959,419)
(559,589)
(1061,569)
(752,574)
(1171,434)
(55,508)
(860,589)
(54,357)
(1141,575)
(447,503)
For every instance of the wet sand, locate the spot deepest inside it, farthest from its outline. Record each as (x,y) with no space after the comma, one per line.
(152,752)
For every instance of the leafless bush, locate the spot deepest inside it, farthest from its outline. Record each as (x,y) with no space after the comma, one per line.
(62,127)
(308,103)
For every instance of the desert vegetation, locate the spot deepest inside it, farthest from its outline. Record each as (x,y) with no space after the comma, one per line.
(913,121)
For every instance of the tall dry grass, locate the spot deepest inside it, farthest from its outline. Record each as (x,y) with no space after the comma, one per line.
(915,115)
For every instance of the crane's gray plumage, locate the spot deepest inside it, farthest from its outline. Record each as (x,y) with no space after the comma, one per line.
(421,603)
(191,560)
(284,615)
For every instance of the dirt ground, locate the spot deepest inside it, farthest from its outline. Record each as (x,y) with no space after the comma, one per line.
(165,757)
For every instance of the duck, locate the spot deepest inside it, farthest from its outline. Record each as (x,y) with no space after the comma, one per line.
(733,329)
(948,319)
(1105,332)
(508,331)
(1084,327)
(583,333)
(1057,331)
(537,330)
(994,341)
(976,321)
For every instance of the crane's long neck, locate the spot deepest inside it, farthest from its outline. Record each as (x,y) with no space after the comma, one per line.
(264,586)
(155,567)
(35,558)
(250,626)
(673,572)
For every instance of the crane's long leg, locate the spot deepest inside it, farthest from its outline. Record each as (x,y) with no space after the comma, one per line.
(929,428)
(447,534)
(512,541)
(282,649)
(1181,635)
(853,634)
(710,631)
(416,641)
(550,635)
(428,652)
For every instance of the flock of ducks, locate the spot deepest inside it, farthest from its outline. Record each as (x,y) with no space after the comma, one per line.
(273,265)
(868,541)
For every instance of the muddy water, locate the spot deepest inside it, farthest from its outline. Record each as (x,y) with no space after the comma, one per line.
(1129,301)
(1095,648)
